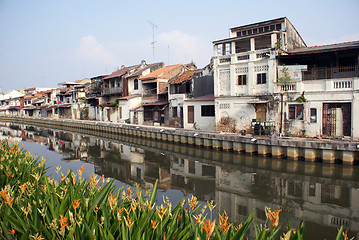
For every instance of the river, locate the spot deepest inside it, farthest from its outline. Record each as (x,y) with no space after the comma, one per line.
(324,196)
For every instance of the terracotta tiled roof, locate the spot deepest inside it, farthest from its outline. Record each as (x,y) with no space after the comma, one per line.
(119,72)
(139,72)
(164,72)
(184,77)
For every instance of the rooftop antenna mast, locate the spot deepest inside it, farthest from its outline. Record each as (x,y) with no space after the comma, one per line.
(153,38)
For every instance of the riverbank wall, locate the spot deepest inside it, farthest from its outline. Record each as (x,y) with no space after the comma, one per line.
(327,151)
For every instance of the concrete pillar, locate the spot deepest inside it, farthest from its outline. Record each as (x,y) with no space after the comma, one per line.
(264,150)
(176,138)
(148,134)
(207,143)
(190,140)
(153,135)
(328,156)
(310,154)
(347,157)
(199,141)
(184,139)
(227,145)
(216,144)
(239,147)
(164,137)
(293,153)
(170,137)
(158,136)
(250,148)
(277,151)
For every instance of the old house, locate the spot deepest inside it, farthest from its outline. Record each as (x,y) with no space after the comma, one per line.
(155,94)
(130,106)
(245,72)
(93,95)
(268,80)
(115,86)
(11,103)
(192,85)
(321,99)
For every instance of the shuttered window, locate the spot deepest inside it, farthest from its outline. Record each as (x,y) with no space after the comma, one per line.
(190,114)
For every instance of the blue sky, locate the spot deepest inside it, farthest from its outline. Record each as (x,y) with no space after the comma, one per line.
(44,42)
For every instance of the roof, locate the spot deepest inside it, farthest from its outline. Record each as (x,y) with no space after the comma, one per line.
(204,98)
(281,19)
(157,103)
(326,48)
(129,97)
(119,72)
(184,77)
(139,72)
(164,72)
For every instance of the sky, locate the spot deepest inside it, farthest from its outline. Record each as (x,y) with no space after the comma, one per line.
(45,42)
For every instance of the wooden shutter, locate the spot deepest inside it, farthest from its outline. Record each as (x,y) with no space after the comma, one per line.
(190,114)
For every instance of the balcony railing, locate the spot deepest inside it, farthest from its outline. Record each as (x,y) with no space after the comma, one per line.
(109,91)
(331,72)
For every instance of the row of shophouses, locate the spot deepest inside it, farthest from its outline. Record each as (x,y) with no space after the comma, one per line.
(262,78)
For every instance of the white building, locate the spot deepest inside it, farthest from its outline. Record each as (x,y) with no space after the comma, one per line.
(252,87)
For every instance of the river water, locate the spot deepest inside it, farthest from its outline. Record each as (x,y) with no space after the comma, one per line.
(324,196)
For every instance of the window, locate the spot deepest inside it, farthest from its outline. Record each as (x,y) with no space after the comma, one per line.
(228,49)
(278,27)
(296,111)
(313,115)
(242,79)
(220,49)
(207,110)
(190,114)
(261,78)
(135,84)
(174,112)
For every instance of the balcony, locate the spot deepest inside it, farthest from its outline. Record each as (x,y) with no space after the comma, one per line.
(331,73)
(112,91)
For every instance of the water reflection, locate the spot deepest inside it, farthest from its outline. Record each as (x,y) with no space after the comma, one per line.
(324,196)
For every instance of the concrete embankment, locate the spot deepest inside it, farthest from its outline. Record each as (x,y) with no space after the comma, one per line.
(327,151)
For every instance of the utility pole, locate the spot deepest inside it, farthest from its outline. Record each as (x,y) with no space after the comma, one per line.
(153,39)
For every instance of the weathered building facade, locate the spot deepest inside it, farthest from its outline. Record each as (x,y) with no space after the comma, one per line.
(266,75)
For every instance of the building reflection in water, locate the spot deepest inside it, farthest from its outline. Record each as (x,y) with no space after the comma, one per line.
(324,196)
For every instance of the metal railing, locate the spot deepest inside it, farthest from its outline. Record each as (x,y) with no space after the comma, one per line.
(331,72)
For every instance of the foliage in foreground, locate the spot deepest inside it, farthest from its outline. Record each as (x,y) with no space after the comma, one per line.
(34,206)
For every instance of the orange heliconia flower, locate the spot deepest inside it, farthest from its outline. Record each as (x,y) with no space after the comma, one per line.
(274,217)
(223,222)
(76,204)
(12,232)
(44,188)
(3,193)
(192,202)
(81,170)
(154,225)
(208,227)
(129,223)
(9,201)
(73,178)
(129,192)
(23,187)
(112,200)
(63,222)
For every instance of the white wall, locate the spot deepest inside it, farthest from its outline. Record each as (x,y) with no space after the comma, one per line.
(202,123)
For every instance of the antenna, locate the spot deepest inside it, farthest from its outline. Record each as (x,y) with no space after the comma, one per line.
(153,38)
